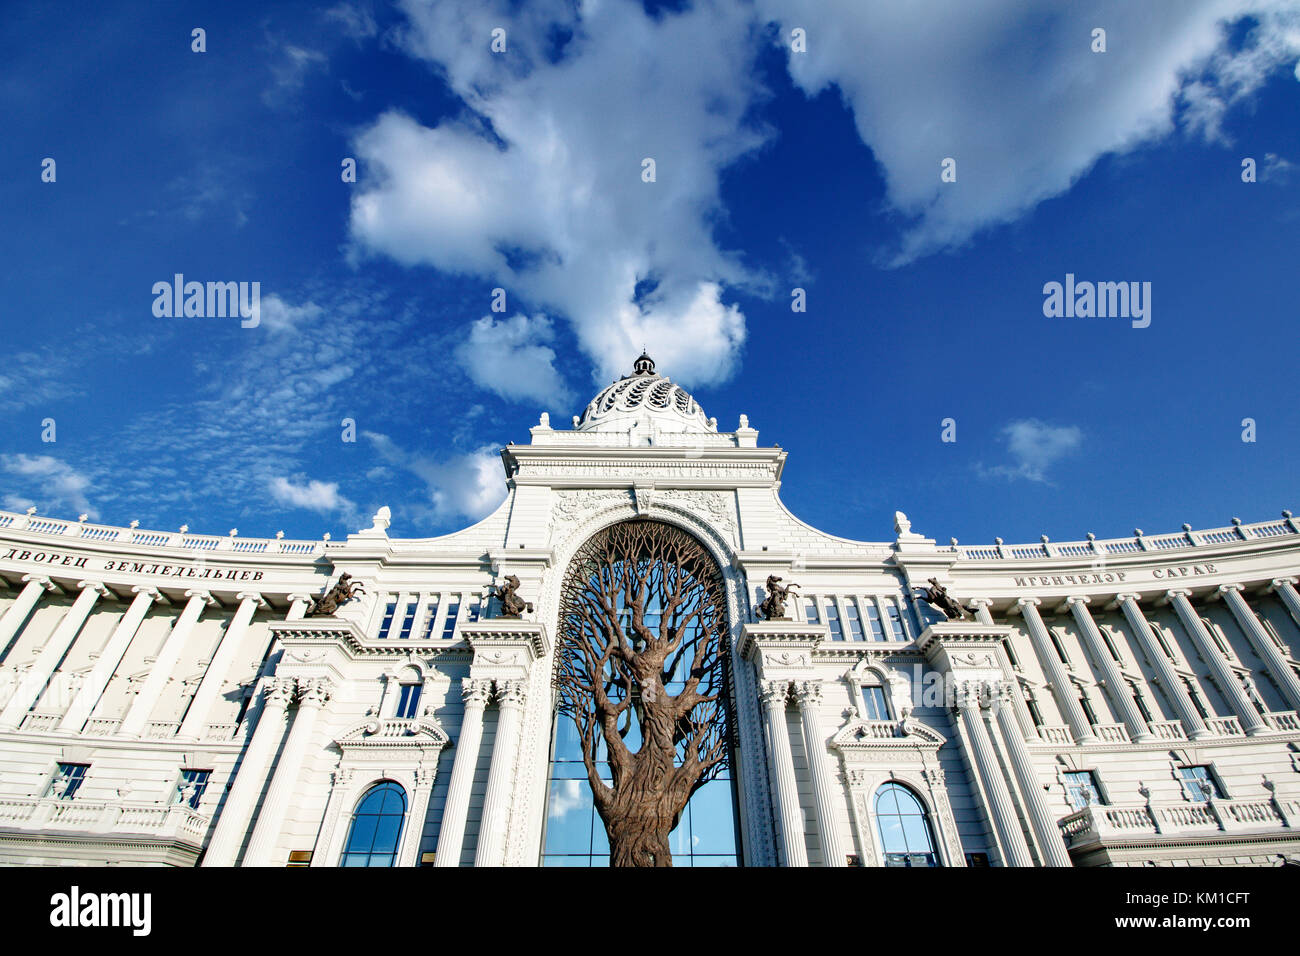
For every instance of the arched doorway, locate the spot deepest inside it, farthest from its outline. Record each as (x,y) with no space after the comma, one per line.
(640,768)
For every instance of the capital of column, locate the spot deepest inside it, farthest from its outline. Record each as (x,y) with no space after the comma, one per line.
(279,691)
(253,596)
(1174,593)
(204,596)
(153,592)
(774,693)
(1278,583)
(314,691)
(1129,596)
(424,777)
(1082,599)
(473,691)
(980,602)
(1025,602)
(40,579)
(808,693)
(97,586)
(512,693)
(1225,588)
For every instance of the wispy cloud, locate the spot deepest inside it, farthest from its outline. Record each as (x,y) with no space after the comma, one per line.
(540,186)
(1034,447)
(320,496)
(51,484)
(514,359)
(469,485)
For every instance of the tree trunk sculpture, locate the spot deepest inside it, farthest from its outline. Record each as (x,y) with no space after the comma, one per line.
(644,612)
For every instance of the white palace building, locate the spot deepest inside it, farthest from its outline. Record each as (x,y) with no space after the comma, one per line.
(164,698)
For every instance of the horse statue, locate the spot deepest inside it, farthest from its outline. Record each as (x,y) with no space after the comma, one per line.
(511,604)
(937,596)
(773,606)
(328,603)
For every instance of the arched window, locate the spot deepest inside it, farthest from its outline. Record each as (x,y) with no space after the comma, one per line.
(905,835)
(376,827)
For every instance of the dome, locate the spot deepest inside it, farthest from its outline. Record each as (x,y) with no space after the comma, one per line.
(645,398)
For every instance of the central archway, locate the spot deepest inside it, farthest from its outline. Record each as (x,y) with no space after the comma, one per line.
(642,724)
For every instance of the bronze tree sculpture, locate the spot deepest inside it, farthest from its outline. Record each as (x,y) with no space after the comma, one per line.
(643,637)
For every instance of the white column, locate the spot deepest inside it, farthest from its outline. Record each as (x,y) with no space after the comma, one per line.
(451,835)
(251,774)
(1062,686)
(413,831)
(1005,822)
(1267,650)
(809,696)
(84,703)
(298,606)
(1193,725)
(31,684)
(215,676)
(23,606)
(312,694)
(138,715)
(501,775)
(1227,679)
(789,815)
(1115,682)
(1285,588)
(1023,717)
(1050,843)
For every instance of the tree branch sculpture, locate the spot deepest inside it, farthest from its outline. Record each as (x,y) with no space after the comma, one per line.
(644,610)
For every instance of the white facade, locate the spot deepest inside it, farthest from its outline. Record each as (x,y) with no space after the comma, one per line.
(149,658)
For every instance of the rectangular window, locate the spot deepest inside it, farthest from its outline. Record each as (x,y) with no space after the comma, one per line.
(471,613)
(449,628)
(1011,655)
(895,621)
(874,703)
(430,616)
(67,780)
(408,701)
(1087,708)
(190,788)
(1196,698)
(873,619)
(810,611)
(408,620)
(1216,635)
(389,611)
(1198,783)
(1081,788)
(1160,639)
(1060,650)
(851,616)
(1035,714)
(833,620)
(1138,699)
(1110,644)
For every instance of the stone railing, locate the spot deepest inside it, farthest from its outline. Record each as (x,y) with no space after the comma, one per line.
(1055,735)
(1167,730)
(1187,538)
(1111,733)
(175,821)
(1225,726)
(40,723)
(1283,720)
(175,540)
(1097,823)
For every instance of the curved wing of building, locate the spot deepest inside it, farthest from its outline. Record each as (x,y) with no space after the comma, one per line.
(166,698)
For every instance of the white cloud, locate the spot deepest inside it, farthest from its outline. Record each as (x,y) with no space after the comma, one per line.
(321,496)
(467,485)
(57,485)
(511,358)
(1013,92)
(279,316)
(1034,447)
(540,186)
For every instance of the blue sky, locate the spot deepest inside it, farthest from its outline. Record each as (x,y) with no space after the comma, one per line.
(775,170)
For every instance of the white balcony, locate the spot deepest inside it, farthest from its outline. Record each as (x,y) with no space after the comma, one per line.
(176,823)
(1112,823)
